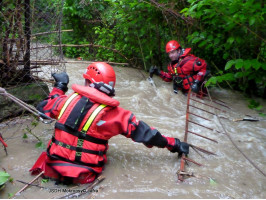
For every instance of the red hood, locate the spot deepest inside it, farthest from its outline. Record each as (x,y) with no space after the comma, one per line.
(95,95)
(186,52)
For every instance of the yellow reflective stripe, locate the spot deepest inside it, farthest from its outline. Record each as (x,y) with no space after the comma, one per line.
(92,117)
(66,104)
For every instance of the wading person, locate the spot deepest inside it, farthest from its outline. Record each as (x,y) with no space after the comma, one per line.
(185,69)
(87,119)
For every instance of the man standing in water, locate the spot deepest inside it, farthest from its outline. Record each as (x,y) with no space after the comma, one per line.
(87,119)
(186,70)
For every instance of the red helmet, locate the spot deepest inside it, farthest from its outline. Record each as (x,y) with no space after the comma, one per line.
(100,72)
(171,45)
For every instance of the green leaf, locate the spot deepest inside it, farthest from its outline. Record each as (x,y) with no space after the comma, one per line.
(10,195)
(252,20)
(4,177)
(256,65)
(202,43)
(263,66)
(195,40)
(212,182)
(225,56)
(247,64)
(229,64)
(227,77)
(44,180)
(40,145)
(239,74)
(253,104)
(25,136)
(212,80)
(230,40)
(216,41)
(239,63)
(262,114)
(184,10)
(193,7)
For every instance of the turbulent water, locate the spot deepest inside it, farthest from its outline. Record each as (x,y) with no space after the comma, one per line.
(135,171)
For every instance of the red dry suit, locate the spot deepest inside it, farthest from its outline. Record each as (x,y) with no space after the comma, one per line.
(87,119)
(188,68)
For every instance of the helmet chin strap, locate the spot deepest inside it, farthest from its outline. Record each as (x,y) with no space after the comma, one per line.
(87,82)
(181,52)
(103,87)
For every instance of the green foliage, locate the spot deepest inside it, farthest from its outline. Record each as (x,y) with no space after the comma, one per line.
(25,136)
(134,29)
(4,177)
(44,180)
(231,31)
(254,105)
(40,145)
(10,195)
(228,34)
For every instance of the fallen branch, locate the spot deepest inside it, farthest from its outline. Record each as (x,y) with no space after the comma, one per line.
(89,62)
(84,45)
(172,12)
(28,184)
(50,32)
(32,184)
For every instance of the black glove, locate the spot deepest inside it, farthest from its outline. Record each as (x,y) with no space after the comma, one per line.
(195,86)
(154,70)
(61,81)
(177,83)
(180,147)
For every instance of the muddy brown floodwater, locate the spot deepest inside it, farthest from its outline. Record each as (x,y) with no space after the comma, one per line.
(134,171)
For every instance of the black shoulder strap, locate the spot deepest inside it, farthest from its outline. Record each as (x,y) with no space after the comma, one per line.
(78,113)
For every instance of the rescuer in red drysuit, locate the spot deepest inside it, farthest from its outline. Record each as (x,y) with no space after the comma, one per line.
(185,69)
(87,119)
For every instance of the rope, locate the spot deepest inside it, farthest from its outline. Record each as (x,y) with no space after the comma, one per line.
(230,138)
(45,119)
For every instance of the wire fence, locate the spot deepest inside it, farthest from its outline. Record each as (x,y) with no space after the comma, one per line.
(29,29)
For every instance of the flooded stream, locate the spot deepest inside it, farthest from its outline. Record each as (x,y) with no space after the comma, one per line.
(134,171)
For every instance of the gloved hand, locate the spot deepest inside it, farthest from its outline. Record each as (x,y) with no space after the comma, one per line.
(195,87)
(103,87)
(154,70)
(61,81)
(174,145)
(177,83)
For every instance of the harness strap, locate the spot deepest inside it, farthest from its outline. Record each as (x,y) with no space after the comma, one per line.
(92,117)
(70,165)
(57,157)
(78,134)
(81,150)
(189,82)
(85,129)
(82,135)
(66,104)
(78,113)
(193,67)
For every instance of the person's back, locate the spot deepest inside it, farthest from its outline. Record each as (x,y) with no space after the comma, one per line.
(87,119)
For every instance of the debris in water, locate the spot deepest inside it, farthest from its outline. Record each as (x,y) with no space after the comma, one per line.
(212,182)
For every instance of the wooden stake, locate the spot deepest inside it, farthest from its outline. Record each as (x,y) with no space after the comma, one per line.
(22,189)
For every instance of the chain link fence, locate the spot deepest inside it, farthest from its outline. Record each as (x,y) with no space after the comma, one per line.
(30,50)
(30,41)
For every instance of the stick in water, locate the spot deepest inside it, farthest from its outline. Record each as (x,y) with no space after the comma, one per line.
(22,189)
